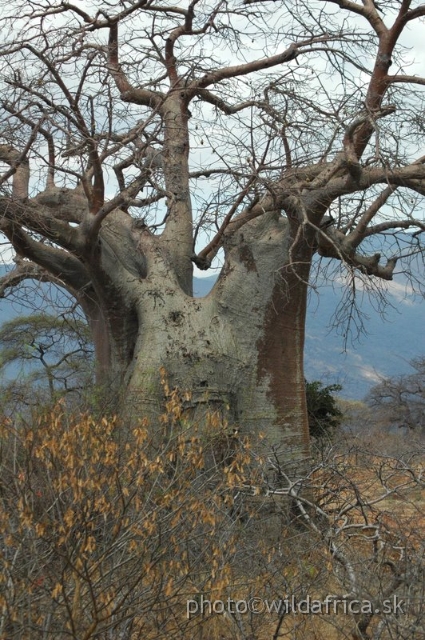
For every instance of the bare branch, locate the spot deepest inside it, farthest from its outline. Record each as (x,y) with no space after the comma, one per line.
(405,15)
(333,244)
(204,258)
(19,167)
(291,53)
(406,79)
(128,92)
(395,224)
(357,235)
(368,11)
(228,109)
(40,220)
(90,227)
(26,270)
(60,264)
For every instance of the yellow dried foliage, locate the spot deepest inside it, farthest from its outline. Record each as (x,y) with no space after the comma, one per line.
(98,526)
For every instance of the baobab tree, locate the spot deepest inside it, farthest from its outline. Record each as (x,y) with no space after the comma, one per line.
(141,139)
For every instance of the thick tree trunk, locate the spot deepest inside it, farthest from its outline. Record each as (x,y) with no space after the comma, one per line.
(238,350)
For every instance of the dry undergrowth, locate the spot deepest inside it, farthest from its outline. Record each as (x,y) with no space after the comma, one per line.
(106,535)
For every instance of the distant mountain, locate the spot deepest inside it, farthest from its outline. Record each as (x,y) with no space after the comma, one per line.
(202,286)
(393,336)
(385,350)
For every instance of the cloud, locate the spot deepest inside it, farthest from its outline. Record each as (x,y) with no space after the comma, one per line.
(370,374)
(402,292)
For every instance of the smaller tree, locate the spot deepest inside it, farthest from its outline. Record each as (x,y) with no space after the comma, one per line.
(45,353)
(399,401)
(324,415)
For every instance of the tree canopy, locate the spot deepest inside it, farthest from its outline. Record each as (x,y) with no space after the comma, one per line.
(320,111)
(398,402)
(45,351)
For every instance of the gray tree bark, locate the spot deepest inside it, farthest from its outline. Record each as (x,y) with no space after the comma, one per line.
(239,350)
